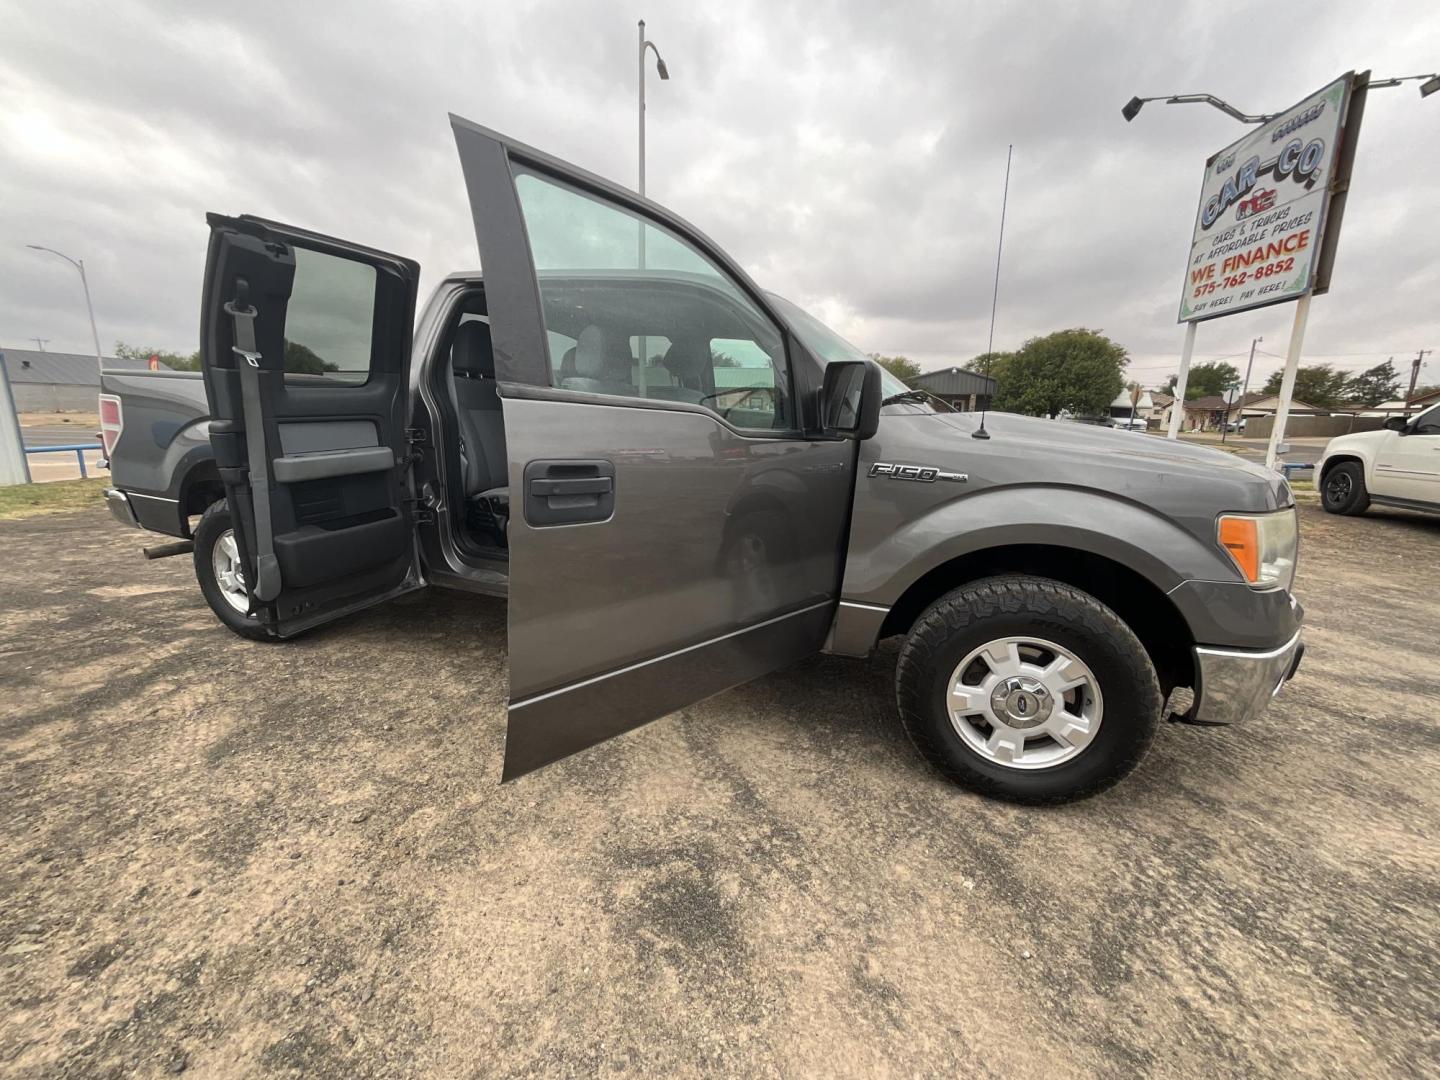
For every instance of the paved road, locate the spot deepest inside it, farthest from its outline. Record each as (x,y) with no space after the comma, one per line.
(254,859)
(59,434)
(1305,449)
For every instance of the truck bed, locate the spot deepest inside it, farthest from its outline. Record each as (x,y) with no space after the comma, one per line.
(162,459)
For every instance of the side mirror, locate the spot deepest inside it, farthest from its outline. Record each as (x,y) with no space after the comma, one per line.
(1396,423)
(850,399)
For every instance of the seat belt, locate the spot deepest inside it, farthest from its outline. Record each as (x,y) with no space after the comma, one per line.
(267,569)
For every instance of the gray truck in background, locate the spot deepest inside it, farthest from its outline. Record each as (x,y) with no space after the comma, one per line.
(681,482)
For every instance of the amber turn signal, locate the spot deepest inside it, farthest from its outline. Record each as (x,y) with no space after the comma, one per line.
(1240,537)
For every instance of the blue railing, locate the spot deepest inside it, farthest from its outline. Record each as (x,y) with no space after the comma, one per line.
(78,449)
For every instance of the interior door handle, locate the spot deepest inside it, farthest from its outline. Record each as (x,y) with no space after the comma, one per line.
(568,492)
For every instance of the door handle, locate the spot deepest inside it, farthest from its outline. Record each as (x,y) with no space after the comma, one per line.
(568,492)
(602,485)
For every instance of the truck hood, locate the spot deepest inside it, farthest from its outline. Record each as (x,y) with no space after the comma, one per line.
(1360,440)
(1103,457)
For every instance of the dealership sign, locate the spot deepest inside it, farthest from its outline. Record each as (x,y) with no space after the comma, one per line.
(1263,210)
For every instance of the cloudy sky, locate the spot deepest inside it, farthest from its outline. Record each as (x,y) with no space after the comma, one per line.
(850,155)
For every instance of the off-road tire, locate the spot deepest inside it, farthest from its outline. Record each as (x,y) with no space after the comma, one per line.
(1337,497)
(214,523)
(1017,605)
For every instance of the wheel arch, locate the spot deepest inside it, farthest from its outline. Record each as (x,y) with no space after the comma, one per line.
(1340,458)
(199,487)
(1137,600)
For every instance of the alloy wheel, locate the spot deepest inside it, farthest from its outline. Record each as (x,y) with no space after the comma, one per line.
(1024,702)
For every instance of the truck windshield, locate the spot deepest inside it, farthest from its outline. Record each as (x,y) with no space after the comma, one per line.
(830,346)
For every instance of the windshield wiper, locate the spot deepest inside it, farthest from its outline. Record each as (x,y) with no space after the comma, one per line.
(921,396)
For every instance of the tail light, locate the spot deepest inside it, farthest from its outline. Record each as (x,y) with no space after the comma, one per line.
(112,422)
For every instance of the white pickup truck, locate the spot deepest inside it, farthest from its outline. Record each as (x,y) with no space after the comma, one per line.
(1396,466)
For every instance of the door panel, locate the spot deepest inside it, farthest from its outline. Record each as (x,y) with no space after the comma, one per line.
(711,531)
(306,352)
(705,530)
(1408,466)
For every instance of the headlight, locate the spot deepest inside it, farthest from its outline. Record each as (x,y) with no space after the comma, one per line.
(1263,546)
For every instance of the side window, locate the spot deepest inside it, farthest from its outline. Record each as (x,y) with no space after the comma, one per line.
(634,310)
(330,320)
(1429,423)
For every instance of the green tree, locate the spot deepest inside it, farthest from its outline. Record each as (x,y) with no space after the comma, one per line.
(174,361)
(903,369)
(301,360)
(1317,384)
(991,363)
(1379,383)
(1212,378)
(1079,370)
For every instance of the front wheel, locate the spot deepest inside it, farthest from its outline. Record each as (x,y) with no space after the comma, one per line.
(1027,689)
(221,574)
(1343,490)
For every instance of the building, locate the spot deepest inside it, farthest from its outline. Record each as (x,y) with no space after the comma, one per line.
(1209,413)
(57,382)
(966,390)
(1122,408)
(1402,407)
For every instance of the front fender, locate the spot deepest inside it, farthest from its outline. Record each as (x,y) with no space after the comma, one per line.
(882,563)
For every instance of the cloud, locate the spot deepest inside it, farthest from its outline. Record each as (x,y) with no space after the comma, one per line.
(850,156)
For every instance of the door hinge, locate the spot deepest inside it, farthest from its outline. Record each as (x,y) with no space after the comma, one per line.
(423,506)
(414,435)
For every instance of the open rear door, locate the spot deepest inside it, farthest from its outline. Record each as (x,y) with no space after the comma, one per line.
(306,347)
(677,525)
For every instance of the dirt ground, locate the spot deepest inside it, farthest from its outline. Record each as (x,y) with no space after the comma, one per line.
(229,858)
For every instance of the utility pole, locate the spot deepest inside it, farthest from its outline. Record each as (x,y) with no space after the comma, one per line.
(40,341)
(1415,372)
(1244,389)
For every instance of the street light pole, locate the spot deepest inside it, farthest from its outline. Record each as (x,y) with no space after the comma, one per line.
(79,265)
(664,74)
(642,108)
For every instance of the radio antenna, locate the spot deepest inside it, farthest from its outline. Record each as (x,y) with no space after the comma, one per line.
(980,432)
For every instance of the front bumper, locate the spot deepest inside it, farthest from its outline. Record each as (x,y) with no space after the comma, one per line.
(120,508)
(1237,684)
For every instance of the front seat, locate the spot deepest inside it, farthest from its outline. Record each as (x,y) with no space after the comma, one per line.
(485,468)
(596,365)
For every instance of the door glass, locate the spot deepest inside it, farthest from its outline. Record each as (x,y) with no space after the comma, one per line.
(648,314)
(329,320)
(1429,423)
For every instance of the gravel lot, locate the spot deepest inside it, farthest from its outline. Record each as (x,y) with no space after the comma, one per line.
(238,859)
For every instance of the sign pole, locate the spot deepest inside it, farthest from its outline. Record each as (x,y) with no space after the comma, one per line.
(1177,408)
(1287,385)
(14,469)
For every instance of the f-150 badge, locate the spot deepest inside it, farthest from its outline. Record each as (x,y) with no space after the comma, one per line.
(925,474)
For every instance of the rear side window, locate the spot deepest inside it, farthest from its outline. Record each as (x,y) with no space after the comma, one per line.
(636,311)
(330,320)
(1429,423)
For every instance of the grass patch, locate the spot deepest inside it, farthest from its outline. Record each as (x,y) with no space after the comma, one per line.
(30,500)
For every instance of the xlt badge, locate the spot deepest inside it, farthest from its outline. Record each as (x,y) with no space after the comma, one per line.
(926,474)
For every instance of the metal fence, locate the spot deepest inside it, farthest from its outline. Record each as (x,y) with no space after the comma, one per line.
(77,448)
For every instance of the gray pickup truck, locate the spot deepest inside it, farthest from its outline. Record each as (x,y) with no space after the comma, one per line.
(682,482)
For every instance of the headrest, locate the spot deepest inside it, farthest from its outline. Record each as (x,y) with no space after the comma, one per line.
(590,353)
(472,355)
(686,358)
